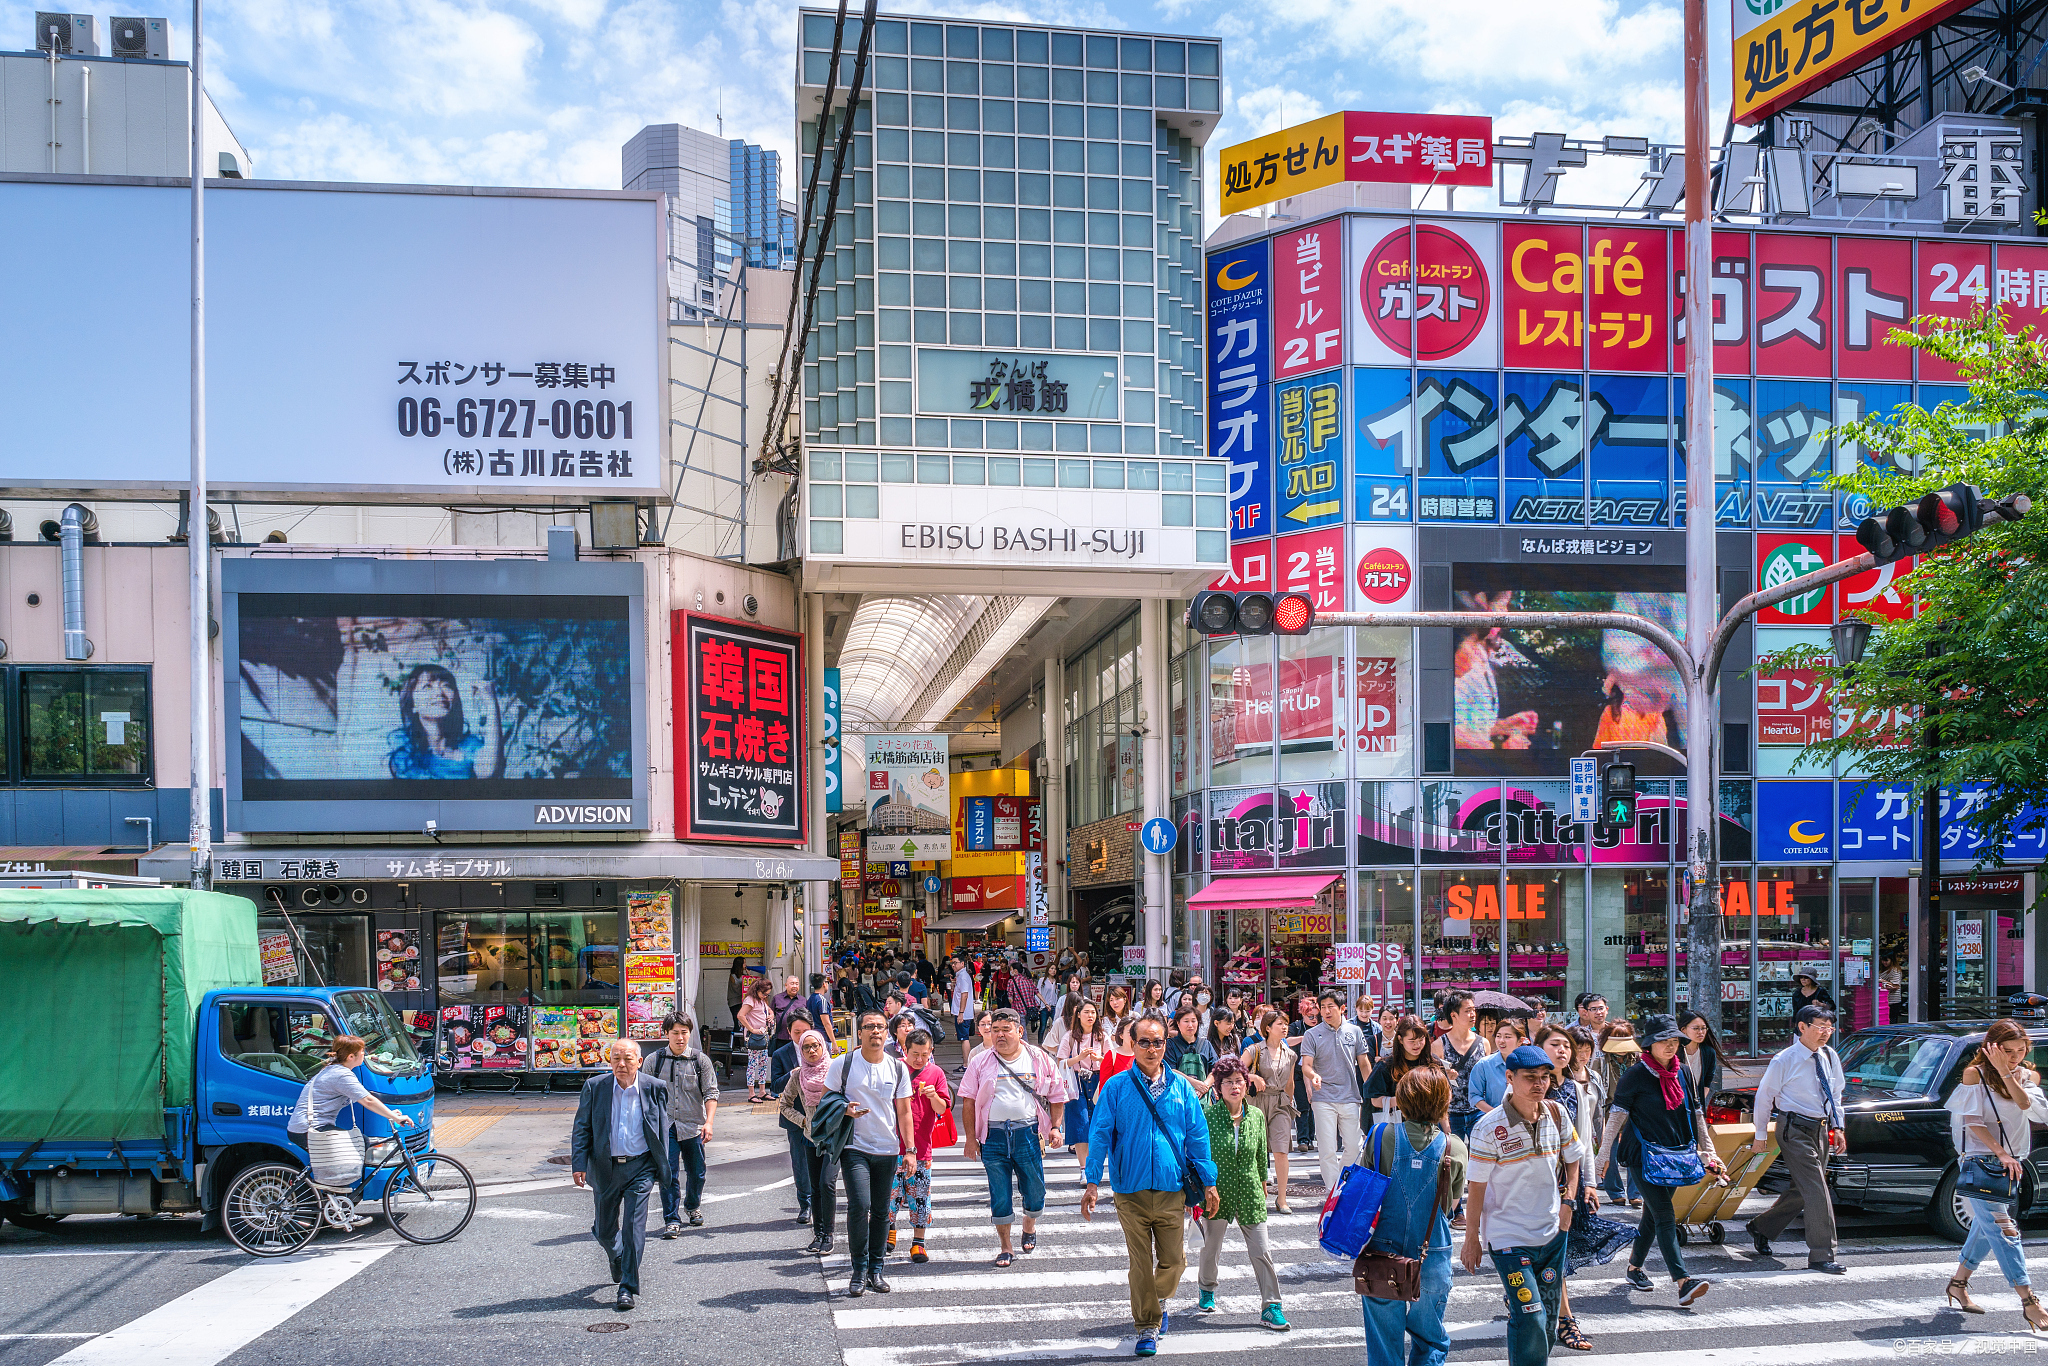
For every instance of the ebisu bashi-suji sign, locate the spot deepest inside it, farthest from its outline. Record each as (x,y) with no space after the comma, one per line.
(739,731)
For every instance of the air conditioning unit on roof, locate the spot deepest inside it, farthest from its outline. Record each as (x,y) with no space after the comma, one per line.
(140,37)
(70,35)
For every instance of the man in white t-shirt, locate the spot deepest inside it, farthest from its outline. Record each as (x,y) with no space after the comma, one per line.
(877,1089)
(1519,1153)
(963,1002)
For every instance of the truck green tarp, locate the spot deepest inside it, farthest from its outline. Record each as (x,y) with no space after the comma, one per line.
(99,991)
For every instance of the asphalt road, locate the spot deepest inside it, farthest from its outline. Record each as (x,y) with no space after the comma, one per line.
(526,1279)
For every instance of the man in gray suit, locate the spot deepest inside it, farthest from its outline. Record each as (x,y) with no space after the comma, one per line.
(618,1148)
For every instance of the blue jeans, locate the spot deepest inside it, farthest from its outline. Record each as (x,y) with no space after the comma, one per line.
(1985,1236)
(1423,1321)
(1534,1280)
(686,1170)
(1013,1152)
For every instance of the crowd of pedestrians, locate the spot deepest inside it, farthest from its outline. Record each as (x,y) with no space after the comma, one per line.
(1501,1134)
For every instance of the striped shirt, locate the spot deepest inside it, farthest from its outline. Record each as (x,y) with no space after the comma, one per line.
(1519,1165)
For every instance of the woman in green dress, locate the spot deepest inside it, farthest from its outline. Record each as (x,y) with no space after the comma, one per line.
(1237,1142)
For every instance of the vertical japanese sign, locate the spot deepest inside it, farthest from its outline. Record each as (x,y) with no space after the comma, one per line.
(1312,562)
(1251,568)
(1446,316)
(1309,470)
(849,868)
(835,796)
(650,968)
(1308,308)
(909,792)
(1240,382)
(740,747)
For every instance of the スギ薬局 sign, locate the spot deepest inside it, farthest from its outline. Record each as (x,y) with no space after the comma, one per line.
(1396,149)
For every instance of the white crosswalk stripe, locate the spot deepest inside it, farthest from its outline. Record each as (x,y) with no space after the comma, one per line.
(1068,1300)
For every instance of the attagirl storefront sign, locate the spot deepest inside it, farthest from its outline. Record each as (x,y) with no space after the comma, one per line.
(740,747)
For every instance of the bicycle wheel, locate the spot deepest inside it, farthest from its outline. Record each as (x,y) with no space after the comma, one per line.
(433,1206)
(271,1210)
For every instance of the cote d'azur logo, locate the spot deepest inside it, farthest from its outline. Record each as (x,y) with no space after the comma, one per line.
(1235,275)
(1802,836)
(1787,563)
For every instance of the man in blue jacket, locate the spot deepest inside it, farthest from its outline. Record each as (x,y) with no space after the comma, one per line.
(1146,1157)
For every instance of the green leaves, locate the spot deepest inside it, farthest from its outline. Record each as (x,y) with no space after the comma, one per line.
(1958,693)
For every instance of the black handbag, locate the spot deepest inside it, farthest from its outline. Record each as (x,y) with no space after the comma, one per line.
(1981,1176)
(1194,1194)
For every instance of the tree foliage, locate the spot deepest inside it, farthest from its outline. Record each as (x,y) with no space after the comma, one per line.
(1972,663)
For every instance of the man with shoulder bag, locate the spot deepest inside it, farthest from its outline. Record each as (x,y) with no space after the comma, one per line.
(1803,1085)
(692,1083)
(1403,1277)
(1522,1154)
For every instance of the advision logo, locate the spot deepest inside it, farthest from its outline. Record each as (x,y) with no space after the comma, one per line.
(583,815)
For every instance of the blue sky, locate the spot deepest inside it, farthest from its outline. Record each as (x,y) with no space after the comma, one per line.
(502,92)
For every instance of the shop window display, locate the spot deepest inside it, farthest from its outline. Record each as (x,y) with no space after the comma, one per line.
(1738,929)
(1793,935)
(1873,952)
(1460,940)
(1629,957)
(1386,917)
(1536,911)
(1279,952)
(338,947)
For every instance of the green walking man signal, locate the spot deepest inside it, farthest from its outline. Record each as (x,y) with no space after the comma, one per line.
(1617,799)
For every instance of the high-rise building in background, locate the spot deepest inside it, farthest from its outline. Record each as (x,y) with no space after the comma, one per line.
(724,204)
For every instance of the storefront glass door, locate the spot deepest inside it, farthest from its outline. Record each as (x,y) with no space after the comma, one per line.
(1873,952)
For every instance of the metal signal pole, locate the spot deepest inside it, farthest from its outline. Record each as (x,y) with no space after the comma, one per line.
(198,543)
(1703,918)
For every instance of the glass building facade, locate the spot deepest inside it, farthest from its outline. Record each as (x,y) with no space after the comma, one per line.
(1022,221)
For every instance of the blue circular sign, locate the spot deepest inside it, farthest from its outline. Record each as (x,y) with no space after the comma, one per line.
(1160,835)
(931,884)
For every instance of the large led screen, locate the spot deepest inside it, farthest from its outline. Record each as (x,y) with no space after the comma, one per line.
(367,695)
(1528,701)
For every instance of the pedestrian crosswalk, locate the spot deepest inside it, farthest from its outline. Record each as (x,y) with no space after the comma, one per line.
(1068,1300)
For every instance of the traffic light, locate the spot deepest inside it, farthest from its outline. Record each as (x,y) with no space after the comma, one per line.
(1252,614)
(1618,798)
(1946,515)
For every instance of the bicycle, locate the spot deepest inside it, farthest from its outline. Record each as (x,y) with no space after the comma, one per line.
(274,1209)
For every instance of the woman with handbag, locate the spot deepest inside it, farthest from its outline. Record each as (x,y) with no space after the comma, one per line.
(1668,1143)
(1237,1143)
(1406,1267)
(1272,1066)
(1991,1114)
(757,1027)
(1084,1044)
(800,1096)
(931,1125)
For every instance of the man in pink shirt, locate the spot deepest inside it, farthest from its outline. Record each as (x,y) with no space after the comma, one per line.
(1011,1098)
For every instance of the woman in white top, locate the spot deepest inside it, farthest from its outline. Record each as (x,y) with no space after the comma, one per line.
(1991,1111)
(333,1089)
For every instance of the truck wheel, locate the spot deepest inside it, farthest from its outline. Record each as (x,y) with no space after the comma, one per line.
(41,1223)
(1945,1212)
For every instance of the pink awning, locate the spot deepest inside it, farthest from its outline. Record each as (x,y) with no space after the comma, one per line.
(1250,893)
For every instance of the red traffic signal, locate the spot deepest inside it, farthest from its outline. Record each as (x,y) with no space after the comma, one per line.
(1252,614)
(1940,517)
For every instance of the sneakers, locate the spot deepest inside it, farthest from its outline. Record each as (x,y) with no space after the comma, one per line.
(1690,1290)
(1638,1279)
(696,1219)
(671,1229)
(1148,1346)
(917,1252)
(1207,1302)
(1271,1317)
(1165,1320)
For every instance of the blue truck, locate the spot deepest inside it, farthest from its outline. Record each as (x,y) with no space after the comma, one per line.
(144,1063)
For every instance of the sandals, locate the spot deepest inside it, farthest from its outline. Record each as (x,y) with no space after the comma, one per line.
(1003,1259)
(1959,1296)
(1568,1334)
(1030,1243)
(2036,1316)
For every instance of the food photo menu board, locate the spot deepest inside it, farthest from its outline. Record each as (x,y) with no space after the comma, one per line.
(398,961)
(572,1038)
(650,972)
(490,1038)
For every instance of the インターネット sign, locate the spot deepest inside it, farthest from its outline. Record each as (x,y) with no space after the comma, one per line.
(740,744)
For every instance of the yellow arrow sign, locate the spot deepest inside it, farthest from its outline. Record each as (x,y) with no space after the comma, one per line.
(1302,512)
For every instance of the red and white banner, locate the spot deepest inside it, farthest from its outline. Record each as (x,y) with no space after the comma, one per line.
(1383,568)
(1794,306)
(1308,300)
(1451,317)
(1792,708)
(1313,562)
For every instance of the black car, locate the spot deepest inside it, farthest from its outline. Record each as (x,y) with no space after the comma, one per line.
(1901,1155)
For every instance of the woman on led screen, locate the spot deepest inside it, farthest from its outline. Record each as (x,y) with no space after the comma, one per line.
(1642,687)
(433,739)
(1479,722)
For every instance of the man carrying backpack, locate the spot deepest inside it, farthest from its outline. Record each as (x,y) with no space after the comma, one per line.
(1522,1154)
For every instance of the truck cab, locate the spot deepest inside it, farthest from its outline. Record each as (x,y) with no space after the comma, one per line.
(259,1046)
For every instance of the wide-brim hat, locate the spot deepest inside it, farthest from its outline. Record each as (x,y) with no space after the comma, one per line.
(1621,1043)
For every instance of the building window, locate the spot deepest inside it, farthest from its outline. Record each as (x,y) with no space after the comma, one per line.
(83,726)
